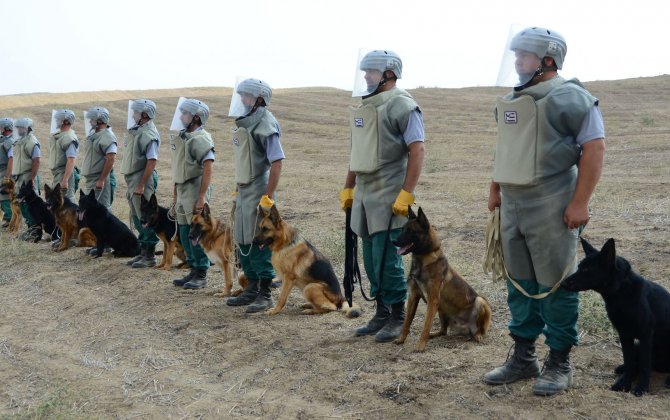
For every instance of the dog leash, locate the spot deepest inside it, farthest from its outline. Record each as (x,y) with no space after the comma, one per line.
(494,262)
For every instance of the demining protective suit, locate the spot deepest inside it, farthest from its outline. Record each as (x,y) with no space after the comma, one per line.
(542,126)
(63,145)
(257,147)
(7,140)
(100,142)
(383,127)
(25,152)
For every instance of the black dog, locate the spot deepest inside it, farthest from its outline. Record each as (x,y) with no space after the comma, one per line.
(109,231)
(638,308)
(38,210)
(156,217)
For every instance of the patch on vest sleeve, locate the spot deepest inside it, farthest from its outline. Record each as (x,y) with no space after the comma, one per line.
(510,117)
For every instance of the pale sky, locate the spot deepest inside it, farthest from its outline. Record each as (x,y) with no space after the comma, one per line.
(79,45)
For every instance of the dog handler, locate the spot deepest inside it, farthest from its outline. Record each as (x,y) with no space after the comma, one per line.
(6,162)
(258,163)
(139,168)
(26,162)
(548,159)
(387,149)
(192,161)
(99,155)
(63,150)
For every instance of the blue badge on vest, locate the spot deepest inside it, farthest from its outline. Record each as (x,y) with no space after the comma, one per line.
(358,122)
(510,117)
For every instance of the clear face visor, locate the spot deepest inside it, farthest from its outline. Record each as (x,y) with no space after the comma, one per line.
(241,103)
(181,118)
(517,66)
(133,116)
(366,80)
(90,123)
(22,130)
(56,122)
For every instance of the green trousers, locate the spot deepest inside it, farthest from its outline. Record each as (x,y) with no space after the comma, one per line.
(145,236)
(554,316)
(256,263)
(393,287)
(6,208)
(195,255)
(24,206)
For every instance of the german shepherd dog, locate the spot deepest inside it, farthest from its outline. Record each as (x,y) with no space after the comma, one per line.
(156,217)
(65,214)
(7,187)
(41,215)
(433,280)
(638,308)
(298,263)
(109,231)
(216,238)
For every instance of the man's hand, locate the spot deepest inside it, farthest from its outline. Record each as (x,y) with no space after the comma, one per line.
(100,184)
(576,215)
(199,205)
(494,196)
(346,198)
(402,203)
(63,184)
(139,190)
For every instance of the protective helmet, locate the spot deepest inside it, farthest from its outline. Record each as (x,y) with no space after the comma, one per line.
(196,107)
(541,42)
(144,105)
(62,115)
(6,123)
(256,88)
(24,122)
(382,60)
(98,114)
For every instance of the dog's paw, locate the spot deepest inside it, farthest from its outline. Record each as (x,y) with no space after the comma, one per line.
(622,385)
(236,292)
(222,294)
(272,311)
(640,390)
(667,382)
(307,306)
(619,370)
(399,340)
(421,347)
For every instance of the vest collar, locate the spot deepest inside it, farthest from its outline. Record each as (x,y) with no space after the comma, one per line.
(541,89)
(251,120)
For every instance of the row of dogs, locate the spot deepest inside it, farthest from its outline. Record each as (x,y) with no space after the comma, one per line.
(638,308)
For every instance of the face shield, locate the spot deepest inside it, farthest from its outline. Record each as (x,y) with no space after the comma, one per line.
(246,94)
(133,116)
(370,68)
(135,110)
(23,126)
(181,119)
(6,126)
(58,117)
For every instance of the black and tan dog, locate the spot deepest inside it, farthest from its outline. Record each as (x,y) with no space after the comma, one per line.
(156,217)
(7,187)
(432,279)
(42,217)
(298,263)
(216,238)
(65,213)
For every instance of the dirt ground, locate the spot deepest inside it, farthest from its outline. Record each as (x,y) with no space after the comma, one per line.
(83,338)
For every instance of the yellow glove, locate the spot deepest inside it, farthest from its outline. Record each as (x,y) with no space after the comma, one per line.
(346,198)
(402,202)
(234,195)
(266,203)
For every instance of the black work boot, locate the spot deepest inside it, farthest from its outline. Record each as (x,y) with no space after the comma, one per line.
(392,329)
(556,373)
(247,296)
(198,281)
(149,259)
(264,299)
(138,257)
(382,314)
(521,365)
(182,281)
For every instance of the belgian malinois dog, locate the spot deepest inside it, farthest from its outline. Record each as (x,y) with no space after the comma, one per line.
(156,217)
(433,280)
(216,238)
(298,263)
(65,213)
(7,187)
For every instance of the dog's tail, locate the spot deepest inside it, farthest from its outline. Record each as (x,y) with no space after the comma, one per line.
(483,316)
(353,311)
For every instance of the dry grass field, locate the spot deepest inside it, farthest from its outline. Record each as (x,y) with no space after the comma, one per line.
(83,338)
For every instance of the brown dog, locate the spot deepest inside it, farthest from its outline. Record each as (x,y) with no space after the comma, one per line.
(216,238)
(299,264)
(7,187)
(65,213)
(432,279)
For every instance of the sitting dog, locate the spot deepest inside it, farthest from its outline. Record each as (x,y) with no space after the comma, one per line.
(65,214)
(432,279)
(298,263)
(7,187)
(638,308)
(41,215)
(216,238)
(156,217)
(109,231)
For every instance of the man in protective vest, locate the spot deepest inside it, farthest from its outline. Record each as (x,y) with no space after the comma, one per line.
(99,156)
(258,164)
(548,160)
(26,162)
(139,168)
(192,161)
(387,151)
(6,162)
(63,150)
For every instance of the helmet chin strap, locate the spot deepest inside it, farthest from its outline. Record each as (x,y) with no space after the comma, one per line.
(541,69)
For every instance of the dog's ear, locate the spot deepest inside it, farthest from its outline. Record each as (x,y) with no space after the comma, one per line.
(410,213)
(422,219)
(81,193)
(30,183)
(274,215)
(153,201)
(92,193)
(608,253)
(205,211)
(586,246)
(47,189)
